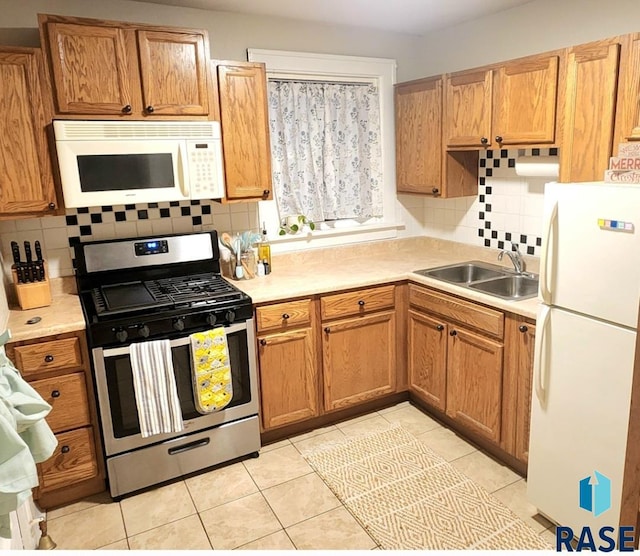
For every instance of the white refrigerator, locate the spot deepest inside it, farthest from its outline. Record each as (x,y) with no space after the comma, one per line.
(584,351)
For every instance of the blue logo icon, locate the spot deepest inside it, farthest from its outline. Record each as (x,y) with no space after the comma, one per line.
(595,494)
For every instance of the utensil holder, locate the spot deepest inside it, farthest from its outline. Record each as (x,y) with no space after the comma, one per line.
(33,294)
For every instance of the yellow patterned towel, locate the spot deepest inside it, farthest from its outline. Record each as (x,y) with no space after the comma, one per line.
(211,370)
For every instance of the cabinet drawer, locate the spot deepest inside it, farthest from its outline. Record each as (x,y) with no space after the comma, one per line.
(73,460)
(48,356)
(476,316)
(67,396)
(283,315)
(357,302)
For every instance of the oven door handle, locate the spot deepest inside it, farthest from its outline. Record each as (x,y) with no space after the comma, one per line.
(185,340)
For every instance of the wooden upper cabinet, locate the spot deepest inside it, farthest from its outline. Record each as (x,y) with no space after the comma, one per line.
(627,126)
(242,90)
(117,69)
(467,109)
(422,165)
(589,110)
(173,69)
(26,180)
(418,113)
(525,94)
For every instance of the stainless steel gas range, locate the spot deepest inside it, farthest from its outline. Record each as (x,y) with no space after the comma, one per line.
(165,287)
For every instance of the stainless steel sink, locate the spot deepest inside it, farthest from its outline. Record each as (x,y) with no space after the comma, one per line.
(487,278)
(509,287)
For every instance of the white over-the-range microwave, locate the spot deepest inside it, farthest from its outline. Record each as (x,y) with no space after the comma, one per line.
(104,163)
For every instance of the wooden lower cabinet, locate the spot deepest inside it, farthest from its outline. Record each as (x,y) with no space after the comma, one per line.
(474,381)
(58,368)
(288,377)
(427,363)
(359,356)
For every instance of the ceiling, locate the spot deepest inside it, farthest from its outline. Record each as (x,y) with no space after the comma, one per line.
(416,17)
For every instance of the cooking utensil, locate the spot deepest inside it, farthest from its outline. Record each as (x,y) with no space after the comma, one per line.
(226,240)
(29,263)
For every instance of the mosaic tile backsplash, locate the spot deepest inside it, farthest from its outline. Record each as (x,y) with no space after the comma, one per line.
(508,208)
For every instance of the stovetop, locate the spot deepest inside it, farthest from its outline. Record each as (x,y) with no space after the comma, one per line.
(166,287)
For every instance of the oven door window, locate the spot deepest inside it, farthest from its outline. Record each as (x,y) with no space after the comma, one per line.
(124,413)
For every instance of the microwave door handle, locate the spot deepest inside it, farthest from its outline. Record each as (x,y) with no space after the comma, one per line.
(183,170)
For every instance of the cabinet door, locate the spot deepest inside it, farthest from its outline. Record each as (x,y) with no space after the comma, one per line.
(26,181)
(428,359)
(589,110)
(418,108)
(467,109)
(525,95)
(474,382)
(288,377)
(173,71)
(524,378)
(91,71)
(359,359)
(628,106)
(245,130)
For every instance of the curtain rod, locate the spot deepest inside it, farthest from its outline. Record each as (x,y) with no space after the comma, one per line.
(319,81)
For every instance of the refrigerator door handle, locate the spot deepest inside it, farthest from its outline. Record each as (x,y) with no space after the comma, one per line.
(545,266)
(540,355)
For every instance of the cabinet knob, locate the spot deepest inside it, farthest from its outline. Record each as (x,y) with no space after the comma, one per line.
(51,206)
(285,316)
(126,109)
(263,342)
(361,303)
(435,191)
(453,333)
(48,358)
(65,449)
(440,327)
(484,140)
(266,192)
(55,394)
(149,109)
(523,328)
(498,138)
(327,330)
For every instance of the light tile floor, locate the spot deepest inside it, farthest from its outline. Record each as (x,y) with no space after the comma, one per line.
(274,502)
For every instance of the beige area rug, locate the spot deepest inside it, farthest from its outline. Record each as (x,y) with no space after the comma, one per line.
(408,497)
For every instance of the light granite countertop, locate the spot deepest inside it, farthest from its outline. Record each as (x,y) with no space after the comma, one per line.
(304,273)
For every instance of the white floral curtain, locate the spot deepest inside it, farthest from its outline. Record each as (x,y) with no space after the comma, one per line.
(325,144)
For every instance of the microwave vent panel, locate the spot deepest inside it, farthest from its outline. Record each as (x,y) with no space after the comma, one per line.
(92,130)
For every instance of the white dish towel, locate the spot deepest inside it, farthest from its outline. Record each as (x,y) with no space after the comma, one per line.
(154,385)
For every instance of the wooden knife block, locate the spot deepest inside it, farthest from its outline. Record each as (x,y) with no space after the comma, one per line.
(33,294)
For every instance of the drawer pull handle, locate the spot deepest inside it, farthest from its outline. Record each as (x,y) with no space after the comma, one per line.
(440,327)
(65,449)
(327,330)
(453,333)
(48,358)
(285,316)
(263,342)
(361,303)
(188,446)
(523,328)
(55,394)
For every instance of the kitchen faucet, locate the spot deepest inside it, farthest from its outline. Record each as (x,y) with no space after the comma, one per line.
(515,256)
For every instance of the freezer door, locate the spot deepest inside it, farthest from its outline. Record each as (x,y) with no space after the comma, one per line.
(579,414)
(586,266)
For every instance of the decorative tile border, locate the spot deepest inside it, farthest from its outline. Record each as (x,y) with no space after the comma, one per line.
(489,236)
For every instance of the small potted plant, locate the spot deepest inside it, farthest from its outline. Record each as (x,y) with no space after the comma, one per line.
(293,224)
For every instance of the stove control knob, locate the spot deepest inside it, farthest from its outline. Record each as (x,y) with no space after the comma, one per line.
(122,335)
(144,331)
(211,318)
(178,325)
(230,316)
